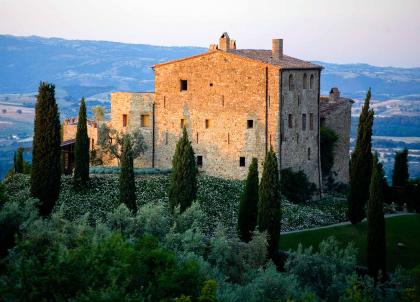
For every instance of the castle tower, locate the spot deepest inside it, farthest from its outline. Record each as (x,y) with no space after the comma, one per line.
(224,42)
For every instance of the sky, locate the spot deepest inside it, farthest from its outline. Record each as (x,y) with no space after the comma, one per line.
(378,32)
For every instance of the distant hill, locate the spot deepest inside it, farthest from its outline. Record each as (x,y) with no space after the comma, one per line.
(91,67)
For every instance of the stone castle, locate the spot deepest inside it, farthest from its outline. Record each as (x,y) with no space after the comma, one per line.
(236,104)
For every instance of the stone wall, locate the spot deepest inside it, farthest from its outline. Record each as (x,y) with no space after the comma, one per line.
(134,105)
(227,91)
(70,130)
(338,118)
(300,147)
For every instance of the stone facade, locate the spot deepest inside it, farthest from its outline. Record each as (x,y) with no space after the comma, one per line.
(70,130)
(235,105)
(336,114)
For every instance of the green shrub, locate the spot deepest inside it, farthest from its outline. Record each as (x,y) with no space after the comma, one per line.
(296,186)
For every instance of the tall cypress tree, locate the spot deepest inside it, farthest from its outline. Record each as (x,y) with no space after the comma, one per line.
(127,181)
(248,207)
(361,164)
(46,168)
(269,203)
(183,186)
(376,245)
(81,150)
(19,160)
(400,174)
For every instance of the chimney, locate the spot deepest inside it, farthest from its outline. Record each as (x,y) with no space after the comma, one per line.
(277,49)
(232,44)
(334,95)
(224,42)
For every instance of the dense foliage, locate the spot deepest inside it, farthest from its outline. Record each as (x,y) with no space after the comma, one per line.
(327,144)
(183,186)
(376,246)
(400,173)
(269,204)
(247,216)
(81,150)
(218,198)
(98,113)
(46,167)
(127,185)
(154,255)
(111,142)
(295,186)
(361,164)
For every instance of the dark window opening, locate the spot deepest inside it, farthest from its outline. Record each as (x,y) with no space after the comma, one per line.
(164,102)
(322,121)
(124,120)
(250,124)
(93,143)
(305,81)
(197,137)
(228,139)
(184,85)
(211,84)
(207,124)
(291,84)
(166,138)
(304,121)
(223,100)
(183,124)
(290,121)
(309,153)
(144,120)
(311,82)
(199,160)
(241,161)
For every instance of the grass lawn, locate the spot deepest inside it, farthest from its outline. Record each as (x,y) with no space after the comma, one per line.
(404,229)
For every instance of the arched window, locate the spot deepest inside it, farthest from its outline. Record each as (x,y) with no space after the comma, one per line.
(305,81)
(311,82)
(291,85)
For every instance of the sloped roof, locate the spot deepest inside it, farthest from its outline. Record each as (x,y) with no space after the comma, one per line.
(265,56)
(260,55)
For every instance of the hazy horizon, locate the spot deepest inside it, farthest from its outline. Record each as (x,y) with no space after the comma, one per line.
(381,33)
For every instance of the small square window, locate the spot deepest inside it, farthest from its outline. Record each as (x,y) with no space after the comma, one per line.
(124,120)
(207,124)
(184,85)
(145,120)
(199,160)
(241,161)
(250,124)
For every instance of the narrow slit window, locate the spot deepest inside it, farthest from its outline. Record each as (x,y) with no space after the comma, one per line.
(291,84)
(223,100)
(183,123)
(241,161)
(196,137)
(228,138)
(309,153)
(305,81)
(207,123)
(166,137)
(93,143)
(290,121)
(164,102)
(184,85)
(144,120)
(250,124)
(124,120)
(199,160)
(304,122)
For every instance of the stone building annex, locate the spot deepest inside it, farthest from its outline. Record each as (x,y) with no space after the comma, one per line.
(235,105)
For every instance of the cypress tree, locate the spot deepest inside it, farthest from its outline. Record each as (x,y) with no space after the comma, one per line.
(81,150)
(376,246)
(46,168)
(183,185)
(126,181)
(248,208)
(269,211)
(19,160)
(400,174)
(361,165)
